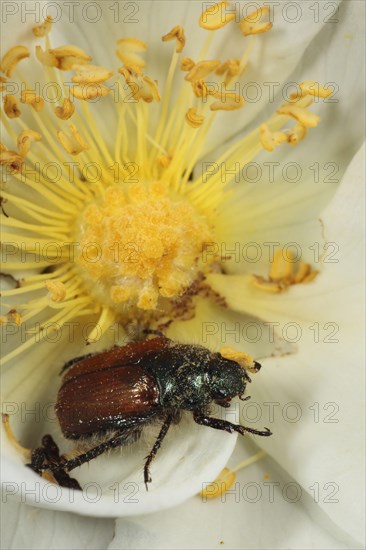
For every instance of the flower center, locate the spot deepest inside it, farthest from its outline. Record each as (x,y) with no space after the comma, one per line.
(140,245)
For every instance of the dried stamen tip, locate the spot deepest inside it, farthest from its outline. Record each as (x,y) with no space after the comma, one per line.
(245,360)
(66,111)
(12,160)
(74,143)
(87,92)
(283,273)
(217,16)
(230,69)
(142,87)
(252,25)
(63,58)
(222,483)
(57,290)
(270,140)
(44,29)
(177,33)
(312,88)
(25,139)
(11,106)
(129,49)
(228,101)
(201,70)
(11,59)
(186,64)
(302,115)
(87,74)
(29,97)
(296,134)
(193,118)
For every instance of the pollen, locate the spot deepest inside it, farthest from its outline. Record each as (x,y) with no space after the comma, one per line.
(252,25)
(221,485)
(12,58)
(30,97)
(44,29)
(177,33)
(284,272)
(72,142)
(57,290)
(140,245)
(245,361)
(11,106)
(216,16)
(193,118)
(129,51)
(66,111)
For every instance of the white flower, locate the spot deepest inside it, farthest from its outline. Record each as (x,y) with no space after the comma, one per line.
(270,212)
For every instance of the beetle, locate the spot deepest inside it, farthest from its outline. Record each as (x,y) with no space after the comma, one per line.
(126,388)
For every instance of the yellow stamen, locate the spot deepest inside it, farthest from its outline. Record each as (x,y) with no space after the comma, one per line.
(270,140)
(44,29)
(245,361)
(186,64)
(11,106)
(201,70)
(193,118)
(89,91)
(216,16)
(221,485)
(86,74)
(129,50)
(251,24)
(228,101)
(25,139)
(283,273)
(11,59)
(227,477)
(142,87)
(63,58)
(66,111)
(296,134)
(282,266)
(312,88)
(29,97)
(74,143)
(177,33)
(302,115)
(12,160)
(230,69)
(57,290)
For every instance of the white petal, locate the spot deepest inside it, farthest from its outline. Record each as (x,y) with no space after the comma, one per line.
(324,380)
(256,513)
(25,527)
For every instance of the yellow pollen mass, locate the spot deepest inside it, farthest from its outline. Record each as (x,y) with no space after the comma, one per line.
(140,245)
(217,16)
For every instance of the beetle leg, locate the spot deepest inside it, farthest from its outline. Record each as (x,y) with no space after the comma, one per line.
(164,430)
(47,456)
(227,426)
(69,465)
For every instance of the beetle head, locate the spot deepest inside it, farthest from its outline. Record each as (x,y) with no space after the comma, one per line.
(228,375)
(226,380)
